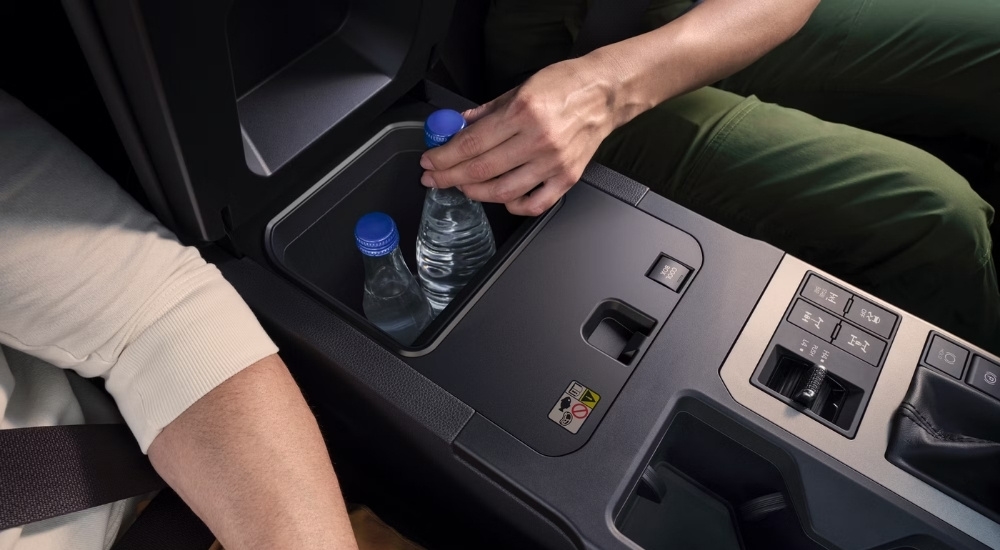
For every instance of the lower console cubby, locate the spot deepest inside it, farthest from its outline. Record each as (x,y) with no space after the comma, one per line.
(704,490)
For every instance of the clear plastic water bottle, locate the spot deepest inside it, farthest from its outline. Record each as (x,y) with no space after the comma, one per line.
(455,238)
(393,299)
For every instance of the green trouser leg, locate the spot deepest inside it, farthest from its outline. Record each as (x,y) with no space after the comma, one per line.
(881,214)
(874,211)
(905,67)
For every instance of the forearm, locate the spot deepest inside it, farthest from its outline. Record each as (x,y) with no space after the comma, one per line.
(549,128)
(90,281)
(709,43)
(249,459)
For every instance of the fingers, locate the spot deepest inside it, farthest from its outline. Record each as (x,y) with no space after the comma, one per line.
(541,199)
(472,115)
(487,132)
(485,167)
(508,187)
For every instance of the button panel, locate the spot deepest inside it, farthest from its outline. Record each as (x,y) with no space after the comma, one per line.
(813,319)
(985,376)
(859,343)
(817,333)
(825,293)
(669,272)
(947,356)
(871,317)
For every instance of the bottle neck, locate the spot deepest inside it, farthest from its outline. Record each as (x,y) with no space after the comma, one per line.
(450,196)
(393,260)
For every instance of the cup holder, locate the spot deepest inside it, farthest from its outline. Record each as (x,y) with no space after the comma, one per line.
(312,241)
(703,490)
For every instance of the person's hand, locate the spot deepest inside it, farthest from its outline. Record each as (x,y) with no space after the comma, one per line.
(544,132)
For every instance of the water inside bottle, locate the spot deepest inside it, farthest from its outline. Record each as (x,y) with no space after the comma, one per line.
(454,242)
(393,300)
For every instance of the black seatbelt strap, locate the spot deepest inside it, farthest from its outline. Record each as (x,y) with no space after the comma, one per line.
(607,22)
(55,470)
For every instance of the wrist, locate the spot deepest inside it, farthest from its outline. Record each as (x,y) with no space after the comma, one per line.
(617,78)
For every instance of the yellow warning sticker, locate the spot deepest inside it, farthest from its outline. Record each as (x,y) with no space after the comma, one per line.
(590,398)
(574,407)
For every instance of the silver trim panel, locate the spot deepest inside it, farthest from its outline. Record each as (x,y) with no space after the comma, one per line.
(866,452)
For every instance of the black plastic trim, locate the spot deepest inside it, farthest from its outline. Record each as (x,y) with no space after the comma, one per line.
(624,189)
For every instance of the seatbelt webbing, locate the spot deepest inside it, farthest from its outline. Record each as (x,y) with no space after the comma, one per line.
(55,470)
(607,22)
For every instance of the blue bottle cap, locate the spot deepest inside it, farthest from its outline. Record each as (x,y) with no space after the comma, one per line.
(441,126)
(376,234)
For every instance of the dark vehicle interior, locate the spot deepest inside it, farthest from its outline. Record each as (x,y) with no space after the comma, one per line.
(720,410)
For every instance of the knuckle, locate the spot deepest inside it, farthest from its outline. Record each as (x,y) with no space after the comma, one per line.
(573,171)
(443,178)
(474,192)
(558,168)
(475,112)
(549,141)
(503,194)
(469,145)
(564,165)
(526,104)
(536,209)
(520,102)
(479,170)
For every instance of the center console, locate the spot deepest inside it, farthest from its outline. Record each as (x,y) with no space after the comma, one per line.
(623,374)
(910,350)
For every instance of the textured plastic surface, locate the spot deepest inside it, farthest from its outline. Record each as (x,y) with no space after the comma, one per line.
(680,372)
(624,189)
(514,353)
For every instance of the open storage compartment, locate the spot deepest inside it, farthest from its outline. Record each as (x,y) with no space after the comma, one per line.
(282,88)
(312,240)
(702,490)
(299,67)
(238,101)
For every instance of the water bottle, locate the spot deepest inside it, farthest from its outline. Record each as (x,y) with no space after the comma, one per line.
(393,299)
(455,238)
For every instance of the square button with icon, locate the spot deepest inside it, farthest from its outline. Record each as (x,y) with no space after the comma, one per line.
(669,272)
(946,356)
(985,376)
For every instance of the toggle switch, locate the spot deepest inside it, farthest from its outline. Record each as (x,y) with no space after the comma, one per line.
(669,272)
(811,387)
(806,396)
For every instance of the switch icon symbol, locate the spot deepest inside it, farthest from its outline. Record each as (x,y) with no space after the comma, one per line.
(857,343)
(816,320)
